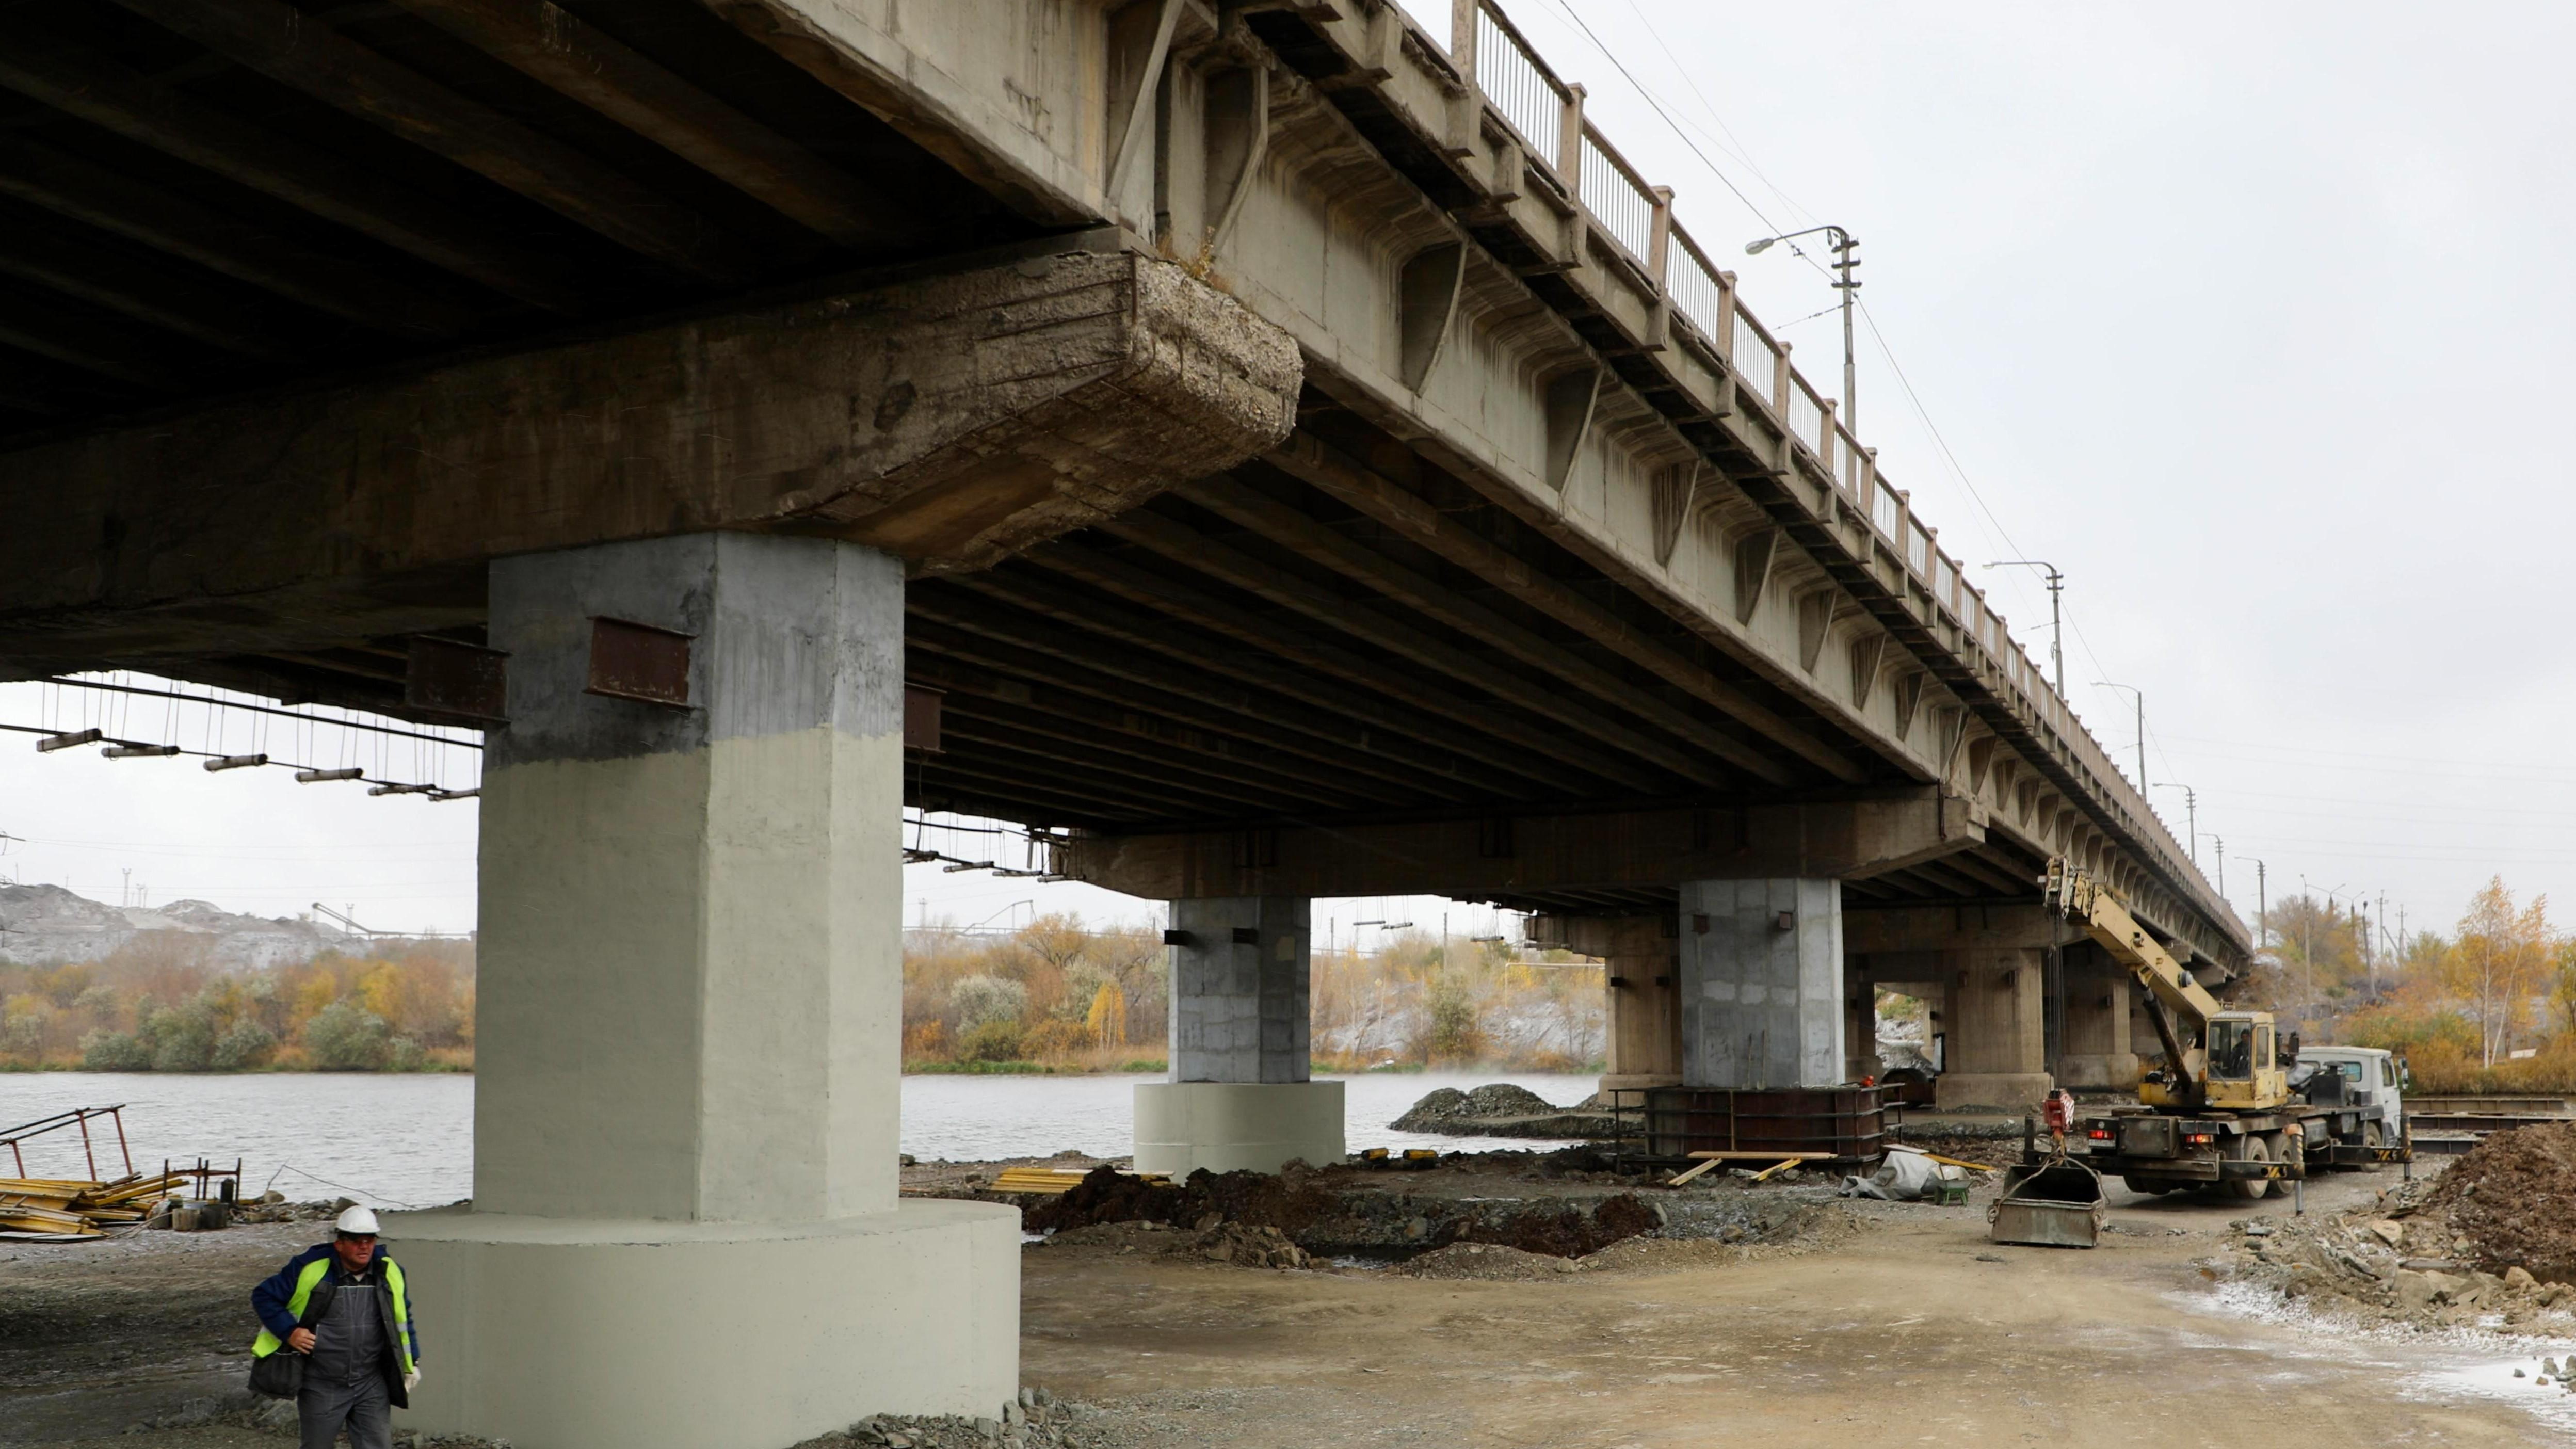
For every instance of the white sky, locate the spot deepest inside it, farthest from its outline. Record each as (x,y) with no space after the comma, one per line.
(2249,318)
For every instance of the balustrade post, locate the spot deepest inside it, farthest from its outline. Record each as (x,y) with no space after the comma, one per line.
(1659,248)
(1725,320)
(1781,379)
(1569,145)
(1831,436)
(1467,110)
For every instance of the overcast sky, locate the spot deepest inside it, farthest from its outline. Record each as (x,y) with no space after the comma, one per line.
(2254,320)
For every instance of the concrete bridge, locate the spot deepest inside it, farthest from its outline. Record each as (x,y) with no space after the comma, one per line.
(1278,451)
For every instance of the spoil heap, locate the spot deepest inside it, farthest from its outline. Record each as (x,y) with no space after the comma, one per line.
(2512,1200)
(2492,1238)
(1499,1109)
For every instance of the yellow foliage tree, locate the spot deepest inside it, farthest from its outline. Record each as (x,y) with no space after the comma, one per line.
(1108,1017)
(2497,963)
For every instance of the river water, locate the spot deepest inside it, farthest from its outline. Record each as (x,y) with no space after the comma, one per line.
(408,1140)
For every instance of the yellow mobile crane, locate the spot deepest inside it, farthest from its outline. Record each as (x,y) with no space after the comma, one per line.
(2221,1110)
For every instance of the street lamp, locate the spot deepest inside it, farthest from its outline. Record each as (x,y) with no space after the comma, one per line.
(2056,618)
(2142,726)
(1843,244)
(2191,812)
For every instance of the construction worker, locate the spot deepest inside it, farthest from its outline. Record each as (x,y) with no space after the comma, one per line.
(343,1307)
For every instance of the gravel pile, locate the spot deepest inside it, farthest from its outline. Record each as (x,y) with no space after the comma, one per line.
(1037,1420)
(2402,1262)
(1499,1109)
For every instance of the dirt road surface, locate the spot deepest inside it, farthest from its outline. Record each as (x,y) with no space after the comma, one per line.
(1908,1328)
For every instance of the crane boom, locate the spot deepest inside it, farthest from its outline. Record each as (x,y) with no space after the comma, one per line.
(2091,905)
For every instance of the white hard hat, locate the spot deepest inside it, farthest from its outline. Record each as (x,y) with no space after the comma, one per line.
(357,1220)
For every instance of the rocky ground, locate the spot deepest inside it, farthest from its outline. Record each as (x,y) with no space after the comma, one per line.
(2489,1244)
(1730,1311)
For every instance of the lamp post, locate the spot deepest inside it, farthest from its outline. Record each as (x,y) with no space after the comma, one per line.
(2191,813)
(2142,726)
(1843,244)
(2056,616)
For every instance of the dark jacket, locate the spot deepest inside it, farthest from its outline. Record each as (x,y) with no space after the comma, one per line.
(297,1295)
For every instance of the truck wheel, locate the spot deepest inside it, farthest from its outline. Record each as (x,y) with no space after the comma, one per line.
(2146,1184)
(2374,1135)
(2251,1148)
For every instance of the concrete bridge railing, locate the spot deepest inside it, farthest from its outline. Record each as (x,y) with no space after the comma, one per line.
(1500,77)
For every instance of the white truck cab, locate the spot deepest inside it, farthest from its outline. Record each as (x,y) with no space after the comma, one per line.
(2370,1084)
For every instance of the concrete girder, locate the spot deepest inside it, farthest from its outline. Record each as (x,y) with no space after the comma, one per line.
(1847,839)
(947,419)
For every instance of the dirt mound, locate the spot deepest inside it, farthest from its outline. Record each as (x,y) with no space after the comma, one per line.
(1499,1109)
(1563,1232)
(2512,1199)
(1290,1201)
(1243,1247)
(1490,1262)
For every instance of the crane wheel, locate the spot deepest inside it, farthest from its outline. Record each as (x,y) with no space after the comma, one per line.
(2374,1135)
(2251,1148)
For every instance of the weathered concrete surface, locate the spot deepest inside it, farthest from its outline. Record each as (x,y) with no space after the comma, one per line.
(1762,983)
(1237,1126)
(1845,839)
(1997,1051)
(685,1229)
(1241,997)
(948,419)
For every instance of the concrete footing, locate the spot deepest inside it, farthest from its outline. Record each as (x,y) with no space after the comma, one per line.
(2019,1091)
(1236,1126)
(570,1333)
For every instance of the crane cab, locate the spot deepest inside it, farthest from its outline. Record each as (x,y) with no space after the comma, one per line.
(2244,1069)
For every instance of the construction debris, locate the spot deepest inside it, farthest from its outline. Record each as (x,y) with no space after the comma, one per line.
(1050,1181)
(41,1208)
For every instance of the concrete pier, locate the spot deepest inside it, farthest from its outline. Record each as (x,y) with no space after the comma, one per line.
(1762,983)
(1239,1097)
(1998,1054)
(686,1230)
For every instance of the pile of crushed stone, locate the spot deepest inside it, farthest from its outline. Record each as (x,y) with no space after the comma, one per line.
(1038,1420)
(1499,1109)
(2510,1202)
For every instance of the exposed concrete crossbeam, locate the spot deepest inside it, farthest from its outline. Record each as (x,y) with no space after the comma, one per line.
(1526,854)
(949,419)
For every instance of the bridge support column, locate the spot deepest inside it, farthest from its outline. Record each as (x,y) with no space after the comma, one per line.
(1996,1034)
(1239,1097)
(685,1232)
(1644,1040)
(1860,1036)
(1762,983)
(2098,1055)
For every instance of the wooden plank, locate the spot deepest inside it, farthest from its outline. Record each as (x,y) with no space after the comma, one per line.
(1768,1173)
(1710,1165)
(548,44)
(109,95)
(300,50)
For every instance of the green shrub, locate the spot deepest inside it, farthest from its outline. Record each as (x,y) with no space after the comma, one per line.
(114,1051)
(344,1037)
(246,1045)
(995,1039)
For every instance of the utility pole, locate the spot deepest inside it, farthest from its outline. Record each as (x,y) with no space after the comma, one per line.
(2220,841)
(2056,613)
(2190,810)
(2262,908)
(2142,726)
(1844,244)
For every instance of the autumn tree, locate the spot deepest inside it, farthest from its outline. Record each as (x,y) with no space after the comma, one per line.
(2497,962)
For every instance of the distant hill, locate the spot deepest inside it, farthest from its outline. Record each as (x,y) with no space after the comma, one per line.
(47,925)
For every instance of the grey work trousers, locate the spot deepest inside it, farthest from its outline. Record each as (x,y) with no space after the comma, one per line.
(324,1408)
